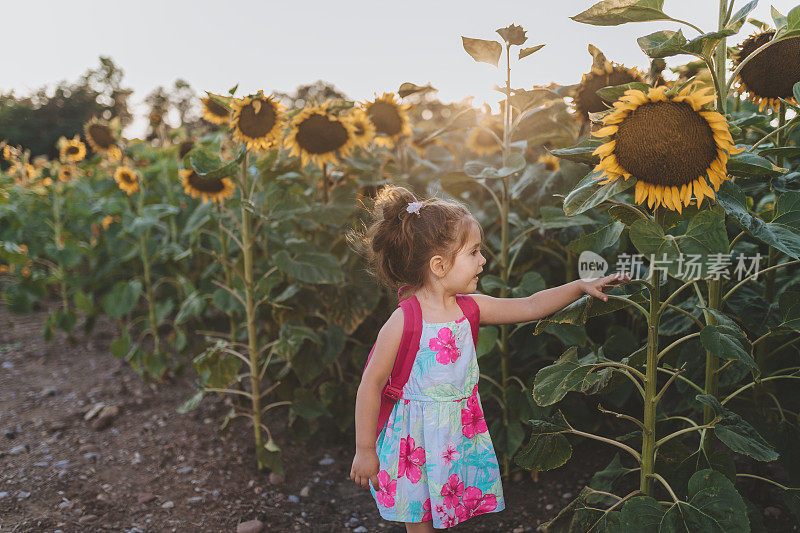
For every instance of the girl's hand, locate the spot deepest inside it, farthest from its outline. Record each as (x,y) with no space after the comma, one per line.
(365,468)
(594,287)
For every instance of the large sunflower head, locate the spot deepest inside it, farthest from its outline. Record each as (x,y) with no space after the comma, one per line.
(215,190)
(317,135)
(481,141)
(772,73)
(127,179)
(604,73)
(362,128)
(67,172)
(72,150)
(257,121)
(214,112)
(670,144)
(101,138)
(390,119)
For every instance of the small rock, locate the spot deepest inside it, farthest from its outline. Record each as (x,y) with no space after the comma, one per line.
(293,498)
(548,506)
(65,505)
(567,495)
(304,491)
(105,417)
(252,526)
(185,470)
(91,456)
(137,458)
(10,435)
(360,529)
(42,464)
(89,448)
(87,518)
(145,497)
(353,522)
(518,529)
(134,530)
(3,495)
(50,391)
(215,493)
(327,460)
(96,408)
(276,479)
(8,365)
(61,464)
(21,448)
(167,505)
(23,495)
(195,499)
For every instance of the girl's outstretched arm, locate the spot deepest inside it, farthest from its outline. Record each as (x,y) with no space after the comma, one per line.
(543,303)
(368,399)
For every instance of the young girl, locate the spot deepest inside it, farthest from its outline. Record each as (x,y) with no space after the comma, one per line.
(433,464)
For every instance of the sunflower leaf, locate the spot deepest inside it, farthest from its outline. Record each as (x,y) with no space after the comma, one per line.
(581,152)
(408,88)
(796,91)
(792,28)
(480,169)
(525,52)
(750,165)
(704,45)
(780,20)
(738,18)
(588,193)
(663,43)
(736,433)
(208,164)
(614,92)
(616,12)
(482,50)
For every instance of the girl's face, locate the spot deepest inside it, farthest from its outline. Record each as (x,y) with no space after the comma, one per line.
(462,277)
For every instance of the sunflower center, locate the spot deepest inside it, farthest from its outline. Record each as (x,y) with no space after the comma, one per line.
(359,129)
(589,102)
(319,134)
(665,143)
(201,184)
(72,150)
(101,135)
(257,124)
(385,117)
(214,108)
(128,177)
(774,71)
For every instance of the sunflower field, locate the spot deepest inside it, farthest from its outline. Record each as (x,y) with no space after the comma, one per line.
(226,251)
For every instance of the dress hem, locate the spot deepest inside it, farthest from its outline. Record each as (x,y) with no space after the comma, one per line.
(500,507)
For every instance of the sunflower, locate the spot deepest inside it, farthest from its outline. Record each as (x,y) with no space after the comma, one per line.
(316,135)
(550,161)
(72,150)
(214,112)
(102,139)
(67,172)
(481,141)
(363,128)
(670,144)
(127,179)
(608,75)
(21,172)
(390,119)
(257,121)
(184,148)
(197,186)
(107,221)
(772,73)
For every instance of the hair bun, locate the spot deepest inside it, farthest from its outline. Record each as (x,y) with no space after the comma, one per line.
(392,201)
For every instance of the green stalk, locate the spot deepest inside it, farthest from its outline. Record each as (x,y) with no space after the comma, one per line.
(173,228)
(57,236)
(148,285)
(255,393)
(651,380)
(223,239)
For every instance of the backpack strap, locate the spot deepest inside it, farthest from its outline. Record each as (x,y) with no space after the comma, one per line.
(406,353)
(473,313)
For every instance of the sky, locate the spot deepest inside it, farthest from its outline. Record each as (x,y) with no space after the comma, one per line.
(362,47)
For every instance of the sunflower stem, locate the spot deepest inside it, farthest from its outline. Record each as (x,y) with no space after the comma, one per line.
(226,266)
(148,284)
(60,274)
(325,191)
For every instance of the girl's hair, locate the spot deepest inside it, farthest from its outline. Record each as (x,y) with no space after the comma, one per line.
(399,244)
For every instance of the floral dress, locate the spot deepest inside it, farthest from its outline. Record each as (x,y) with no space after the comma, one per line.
(436,457)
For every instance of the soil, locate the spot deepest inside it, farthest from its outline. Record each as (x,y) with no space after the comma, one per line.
(154,470)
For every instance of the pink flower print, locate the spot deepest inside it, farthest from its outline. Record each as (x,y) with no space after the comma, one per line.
(450,454)
(452,490)
(441,510)
(387,489)
(427,508)
(475,502)
(449,521)
(472,421)
(445,345)
(411,459)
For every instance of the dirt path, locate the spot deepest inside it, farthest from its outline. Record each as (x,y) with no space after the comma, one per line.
(154,470)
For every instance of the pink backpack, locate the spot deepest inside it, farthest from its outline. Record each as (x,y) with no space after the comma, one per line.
(409,344)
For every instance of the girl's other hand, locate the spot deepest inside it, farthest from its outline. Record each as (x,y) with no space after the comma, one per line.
(594,287)
(365,468)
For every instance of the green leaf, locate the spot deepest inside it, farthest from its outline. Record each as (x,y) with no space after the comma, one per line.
(613,93)
(311,267)
(599,240)
(306,405)
(531,283)
(588,193)
(616,12)
(704,45)
(738,18)
(482,50)
(191,403)
(736,433)
(567,374)
(547,448)
(789,304)
(83,302)
(193,305)
(553,217)
(581,152)
(217,369)
(641,513)
(121,346)
(711,493)
(723,342)
(750,165)
(525,52)
(792,27)
(480,169)
(662,43)
(796,91)
(490,283)
(487,339)
(683,516)
(226,301)
(208,164)
(122,298)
